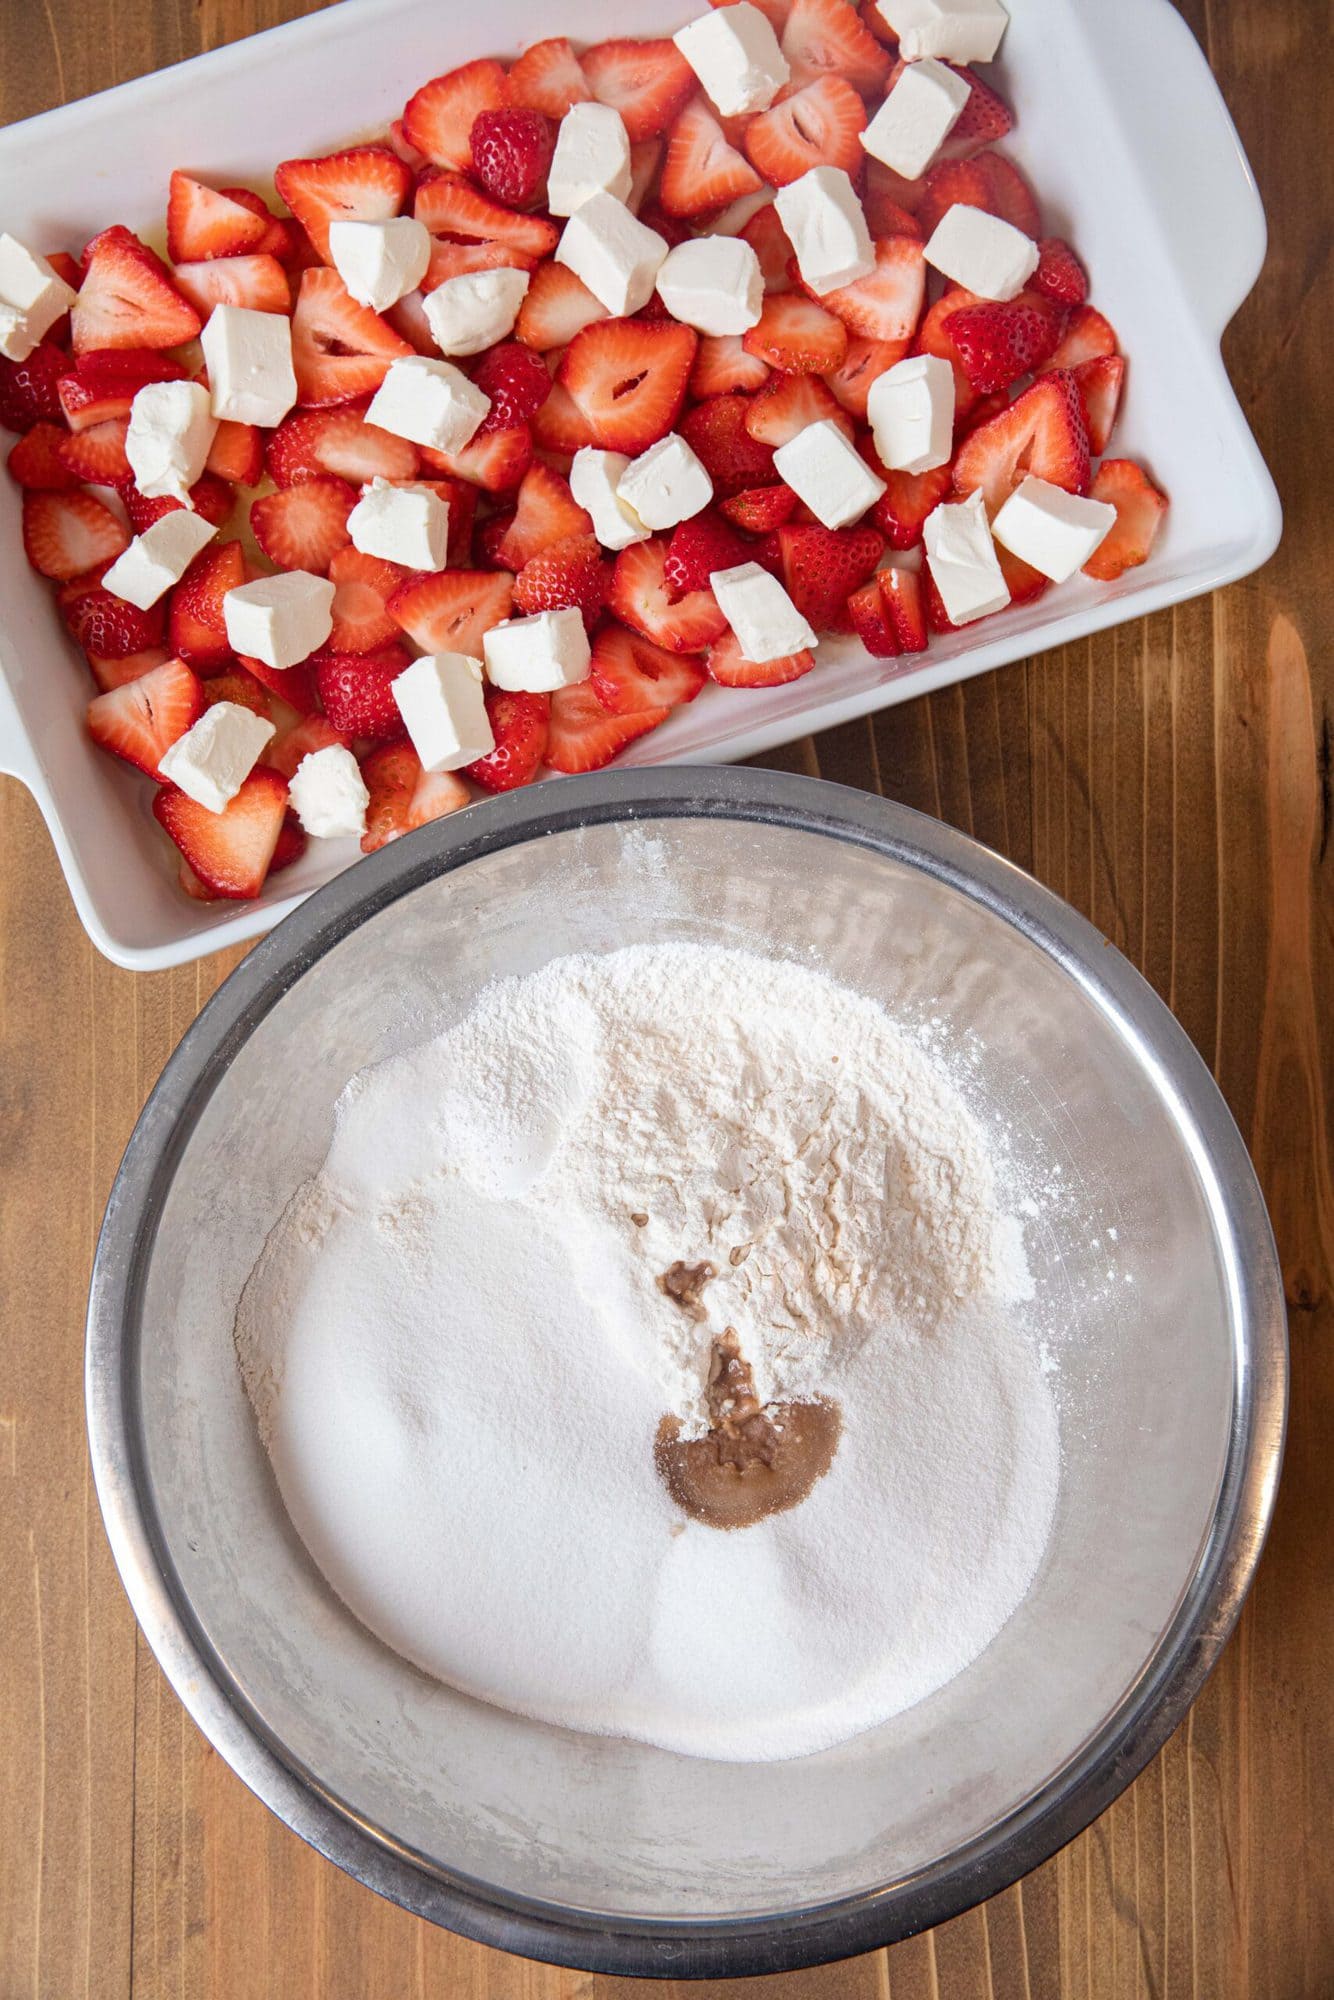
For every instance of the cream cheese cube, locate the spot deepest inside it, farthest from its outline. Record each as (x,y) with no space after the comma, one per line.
(615,254)
(279,619)
(824,221)
(1052,530)
(380,262)
(441,702)
(170,434)
(665,484)
(430,402)
(213,759)
(961,557)
(592,156)
(962,31)
(828,473)
(735,54)
(329,795)
(980,251)
(767,624)
(159,557)
(401,524)
(32,298)
(916,118)
(248,355)
(713,283)
(910,409)
(472,312)
(537,655)
(594,478)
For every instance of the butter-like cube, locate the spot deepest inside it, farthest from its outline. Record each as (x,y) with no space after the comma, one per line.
(248,355)
(430,402)
(615,254)
(539,654)
(916,118)
(592,156)
(828,473)
(170,435)
(440,698)
(158,558)
(910,409)
(827,228)
(380,262)
(279,619)
(735,54)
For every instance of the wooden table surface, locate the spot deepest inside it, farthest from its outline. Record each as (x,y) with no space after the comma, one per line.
(1172,779)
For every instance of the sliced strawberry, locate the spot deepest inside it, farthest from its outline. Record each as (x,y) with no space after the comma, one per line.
(887,303)
(759,509)
(723,367)
(461,260)
(521,724)
(404,147)
(647,82)
(999,342)
(66,266)
(284,751)
(1140,512)
(231,851)
(628,378)
(516,381)
(584,736)
(452,206)
(340,350)
(933,337)
(104,382)
(30,390)
(645,160)
(772,245)
(696,549)
(363,184)
(1101,382)
(511,152)
(312,444)
(407,316)
(294,686)
(141,720)
(438,119)
(493,460)
(900,512)
(364,585)
(449,612)
(1024,583)
(1060,275)
(548,77)
(1088,337)
(127,298)
(702,171)
(819,125)
(870,621)
(716,432)
(545,512)
(1012,197)
(210,497)
(196,627)
(560,426)
(1042,432)
(97,455)
(556,306)
(289,846)
(796,335)
(985,118)
(258,282)
(631,675)
(281,239)
(905,607)
(788,404)
(238,687)
(202,223)
(116,673)
(391,775)
(850,383)
(105,625)
(572,573)
(823,566)
(827,37)
(304,526)
(641,599)
(461,499)
(884,203)
(728,666)
(35,461)
(65,534)
(236,454)
(988,181)
(355,689)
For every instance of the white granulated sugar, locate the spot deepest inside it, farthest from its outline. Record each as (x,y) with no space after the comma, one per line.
(459,1354)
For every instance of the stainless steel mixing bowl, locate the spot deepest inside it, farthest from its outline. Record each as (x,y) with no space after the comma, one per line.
(1153,1259)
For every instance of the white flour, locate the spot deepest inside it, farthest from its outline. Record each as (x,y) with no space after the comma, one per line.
(459,1354)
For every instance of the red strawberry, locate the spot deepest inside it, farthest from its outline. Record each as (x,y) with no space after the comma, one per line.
(1101,382)
(127,299)
(826,36)
(818,126)
(259,282)
(734,460)
(759,509)
(289,846)
(560,426)
(521,724)
(823,566)
(355,689)
(787,404)
(631,675)
(364,585)
(696,549)
(103,383)
(1042,432)
(515,379)
(723,366)
(556,307)
(449,612)
(647,82)
(493,460)
(997,343)
(236,454)
(641,599)
(451,206)
(569,573)
(29,390)
(702,171)
(116,673)
(107,626)
(65,534)
(850,383)
(281,239)
(772,246)
(584,736)
(870,621)
(294,686)
(1140,511)
(985,118)
(547,77)
(905,608)
(196,627)
(1012,198)
(908,498)
(511,151)
(203,223)
(210,497)
(988,181)
(887,303)
(141,720)
(230,851)
(933,337)
(285,750)
(728,666)
(796,335)
(238,687)
(886,217)
(1088,336)
(341,351)
(303,527)
(35,460)
(1060,275)
(403,796)
(628,378)
(97,455)
(545,512)
(313,444)
(363,184)
(1024,583)
(460,260)
(461,500)
(438,119)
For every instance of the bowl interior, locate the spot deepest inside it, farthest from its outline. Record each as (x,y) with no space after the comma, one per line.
(1133,1299)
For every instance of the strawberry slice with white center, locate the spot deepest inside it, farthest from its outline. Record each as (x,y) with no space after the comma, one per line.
(584,736)
(1101,382)
(865,359)
(723,367)
(310,444)
(1043,432)
(1088,337)
(403,796)
(460,260)
(35,461)
(887,303)
(772,246)
(450,611)
(1140,512)
(632,676)
(115,673)
(728,665)
(549,77)
(866,609)
(104,382)
(702,171)
(65,534)
(796,335)
(97,455)
(127,298)
(521,725)
(788,404)
(141,720)
(546,511)
(493,460)
(363,586)
(557,305)
(641,598)
(647,82)
(294,686)
(236,454)
(449,205)
(819,125)
(231,851)
(628,378)
(281,239)
(203,223)
(363,184)
(438,119)
(259,283)
(827,37)
(340,350)
(304,526)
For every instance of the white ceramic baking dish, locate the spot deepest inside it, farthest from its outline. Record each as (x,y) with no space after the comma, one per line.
(1121,128)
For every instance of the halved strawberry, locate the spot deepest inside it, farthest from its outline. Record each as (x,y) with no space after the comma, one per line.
(294,686)
(284,751)
(1060,275)
(548,77)
(905,607)
(449,612)
(391,774)
(103,383)
(647,82)
(1088,336)
(127,298)
(202,223)
(823,566)
(196,627)
(452,206)
(722,367)
(340,350)
(560,426)
(933,337)
(461,499)
(985,118)
(231,851)
(1042,432)
(696,549)
(1101,382)
(281,239)
(516,381)
(997,342)
(900,512)
(819,125)
(258,282)
(641,599)
(728,665)
(988,181)
(236,453)
(631,675)
(788,403)
(30,390)
(772,245)
(363,586)
(1024,583)
(796,335)
(97,455)
(210,497)
(141,720)
(493,460)
(628,378)
(438,119)
(355,689)
(584,736)
(716,432)
(311,444)
(572,574)
(304,526)
(65,534)
(702,171)
(106,626)
(521,724)
(1014,200)
(1140,512)
(887,303)
(115,673)
(289,846)
(239,688)
(556,307)
(545,512)
(511,152)
(885,203)
(35,460)
(850,383)
(363,184)
(827,37)
(460,260)
(866,609)
(759,509)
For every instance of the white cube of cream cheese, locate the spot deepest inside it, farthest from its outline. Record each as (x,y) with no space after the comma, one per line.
(380,262)
(665,484)
(329,794)
(430,402)
(401,524)
(1052,530)
(159,557)
(170,434)
(962,31)
(828,473)
(537,655)
(615,254)
(713,283)
(592,156)
(910,409)
(32,298)
(594,478)
(213,759)
(827,229)
(989,256)
(248,355)
(441,701)
(962,559)
(916,118)
(735,54)
(472,312)
(279,619)
(767,624)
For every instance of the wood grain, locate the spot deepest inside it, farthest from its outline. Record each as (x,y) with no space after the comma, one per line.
(1173,779)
